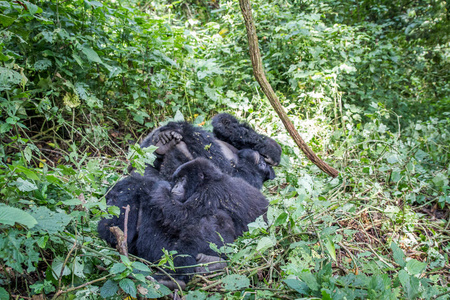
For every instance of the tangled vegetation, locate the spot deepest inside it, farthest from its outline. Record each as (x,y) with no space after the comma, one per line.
(365,82)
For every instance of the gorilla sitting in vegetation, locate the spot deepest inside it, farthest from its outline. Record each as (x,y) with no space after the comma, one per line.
(180,142)
(203,205)
(136,189)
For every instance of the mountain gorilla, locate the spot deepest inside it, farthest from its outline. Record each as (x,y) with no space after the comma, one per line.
(202,205)
(136,189)
(180,142)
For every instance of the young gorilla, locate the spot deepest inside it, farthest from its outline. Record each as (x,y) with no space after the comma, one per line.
(202,206)
(181,142)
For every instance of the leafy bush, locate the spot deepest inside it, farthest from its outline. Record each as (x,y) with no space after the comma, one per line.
(366,84)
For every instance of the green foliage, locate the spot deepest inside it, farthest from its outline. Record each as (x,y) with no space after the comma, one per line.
(366,84)
(140,157)
(10,215)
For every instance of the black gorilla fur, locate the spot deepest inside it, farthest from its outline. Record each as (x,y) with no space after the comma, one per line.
(133,190)
(240,135)
(252,167)
(203,205)
(181,142)
(199,143)
(136,189)
(151,199)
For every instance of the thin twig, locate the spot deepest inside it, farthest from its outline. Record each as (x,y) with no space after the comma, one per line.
(64,264)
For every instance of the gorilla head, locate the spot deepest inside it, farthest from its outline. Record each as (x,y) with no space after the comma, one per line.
(253,168)
(193,176)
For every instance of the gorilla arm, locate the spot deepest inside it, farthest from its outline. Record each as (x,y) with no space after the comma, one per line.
(239,134)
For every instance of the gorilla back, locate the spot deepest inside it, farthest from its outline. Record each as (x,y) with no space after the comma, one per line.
(131,190)
(202,205)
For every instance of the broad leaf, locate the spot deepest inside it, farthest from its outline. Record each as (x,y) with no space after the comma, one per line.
(118,268)
(25,185)
(10,215)
(91,54)
(235,282)
(128,286)
(109,289)
(415,267)
(50,221)
(399,256)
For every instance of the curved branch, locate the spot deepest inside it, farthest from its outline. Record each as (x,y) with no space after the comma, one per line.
(258,70)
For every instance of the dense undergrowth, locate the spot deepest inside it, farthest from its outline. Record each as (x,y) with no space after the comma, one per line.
(366,84)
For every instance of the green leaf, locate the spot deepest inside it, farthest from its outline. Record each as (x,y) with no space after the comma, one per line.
(440,180)
(42,241)
(10,215)
(265,243)
(91,54)
(6,21)
(310,280)
(140,277)
(282,218)
(297,285)
(57,266)
(421,155)
(25,185)
(33,9)
(42,64)
(330,247)
(410,284)
(78,267)
(118,268)
(235,282)
(3,294)
(9,78)
(178,117)
(125,260)
(109,289)
(30,174)
(392,158)
(50,221)
(140,266)
(415,267)
(326,295)
(128,286)
(67,170)
(403,276)
(114,210)
(78,59)
(399,256)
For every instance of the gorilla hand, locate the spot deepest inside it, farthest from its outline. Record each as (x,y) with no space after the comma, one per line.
(214,263)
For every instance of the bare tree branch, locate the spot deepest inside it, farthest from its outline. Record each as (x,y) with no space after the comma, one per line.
(258,70)
(121,236)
